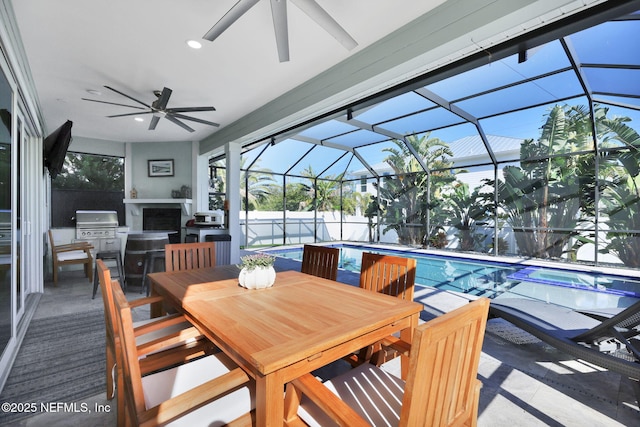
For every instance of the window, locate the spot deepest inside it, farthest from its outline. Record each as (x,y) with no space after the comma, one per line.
(87,182)
(217,184)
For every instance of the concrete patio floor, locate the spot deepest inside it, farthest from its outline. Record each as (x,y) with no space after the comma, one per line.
(525,382)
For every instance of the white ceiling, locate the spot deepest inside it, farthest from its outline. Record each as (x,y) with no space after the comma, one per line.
(140,46)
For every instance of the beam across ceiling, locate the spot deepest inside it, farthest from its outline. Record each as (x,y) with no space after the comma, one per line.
(430,42)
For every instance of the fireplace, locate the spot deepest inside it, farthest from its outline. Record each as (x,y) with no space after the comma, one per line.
(163,219)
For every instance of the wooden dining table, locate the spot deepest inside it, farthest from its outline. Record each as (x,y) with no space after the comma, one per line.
(277,334)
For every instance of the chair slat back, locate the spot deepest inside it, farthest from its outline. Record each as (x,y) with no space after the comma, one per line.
(104,278)
(388,274)
(52,240)
(320,261)
(128,357)
(442,387)
(189,256)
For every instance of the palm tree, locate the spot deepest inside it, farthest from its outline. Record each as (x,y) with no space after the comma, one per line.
(622,201)
(542,199)
(404,196)
(255,186)
(620,182)
(371,213)
(463,209)
(329,193)
(550,194)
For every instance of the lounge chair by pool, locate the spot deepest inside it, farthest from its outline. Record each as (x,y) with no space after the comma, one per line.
(612,343)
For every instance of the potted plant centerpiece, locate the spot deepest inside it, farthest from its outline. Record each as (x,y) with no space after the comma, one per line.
(256,271)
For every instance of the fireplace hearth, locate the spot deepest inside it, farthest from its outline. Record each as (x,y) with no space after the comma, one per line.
(163,219)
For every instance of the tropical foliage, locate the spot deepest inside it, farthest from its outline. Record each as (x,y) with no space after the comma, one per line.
(255,188)
(464,209)
(561,191)
(404,197)
(328,193)
(551,200)
(306,193)
(542,198)
(91,172)
(620,195)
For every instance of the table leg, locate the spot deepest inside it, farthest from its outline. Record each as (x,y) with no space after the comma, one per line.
(407,335)
(157,308)
(269,400)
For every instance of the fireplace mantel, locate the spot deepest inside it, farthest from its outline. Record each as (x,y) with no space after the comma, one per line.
(185,204)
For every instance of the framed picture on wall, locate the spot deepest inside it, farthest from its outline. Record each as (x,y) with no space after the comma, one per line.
(161,167)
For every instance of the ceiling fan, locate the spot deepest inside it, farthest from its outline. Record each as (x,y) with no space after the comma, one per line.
(159,109)
(279,15)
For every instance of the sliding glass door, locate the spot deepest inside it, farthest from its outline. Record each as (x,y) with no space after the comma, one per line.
(7,193)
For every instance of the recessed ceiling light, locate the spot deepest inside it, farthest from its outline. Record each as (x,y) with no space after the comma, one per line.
(139,119)
(94,92)
(194,44)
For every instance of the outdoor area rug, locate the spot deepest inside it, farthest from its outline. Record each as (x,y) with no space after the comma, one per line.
(62,359)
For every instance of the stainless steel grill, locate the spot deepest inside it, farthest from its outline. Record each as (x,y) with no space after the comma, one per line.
(96,224)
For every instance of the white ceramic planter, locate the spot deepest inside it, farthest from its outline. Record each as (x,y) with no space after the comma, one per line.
(258,278)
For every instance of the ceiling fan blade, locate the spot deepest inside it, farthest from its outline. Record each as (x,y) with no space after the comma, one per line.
(112,103)
(178,122)
(229,18)
(130,114)
(163,99)
(281,28)
(322,18)
(189,109)
(194,119)
(127,96)
(154,122)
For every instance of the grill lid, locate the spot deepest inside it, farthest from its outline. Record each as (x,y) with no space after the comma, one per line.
(96,219)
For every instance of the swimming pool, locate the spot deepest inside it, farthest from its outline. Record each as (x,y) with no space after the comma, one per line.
(575,289)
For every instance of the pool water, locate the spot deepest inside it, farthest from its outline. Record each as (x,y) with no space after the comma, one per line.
(575,289)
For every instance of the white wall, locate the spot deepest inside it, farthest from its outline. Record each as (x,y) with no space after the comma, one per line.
(160,187)
(157,187)
(265,228)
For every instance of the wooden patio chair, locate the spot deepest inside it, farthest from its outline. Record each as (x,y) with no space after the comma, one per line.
(211,390)
(189,256)
(442,388)
(160,342)
(390,275)
(320,261)
(71,253)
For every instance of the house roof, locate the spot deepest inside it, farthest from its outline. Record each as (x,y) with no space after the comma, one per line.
(466,151)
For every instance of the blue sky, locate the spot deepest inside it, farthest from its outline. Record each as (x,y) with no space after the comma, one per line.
(493,89)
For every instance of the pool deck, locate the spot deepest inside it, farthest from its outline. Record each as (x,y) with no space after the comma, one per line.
(525,382)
